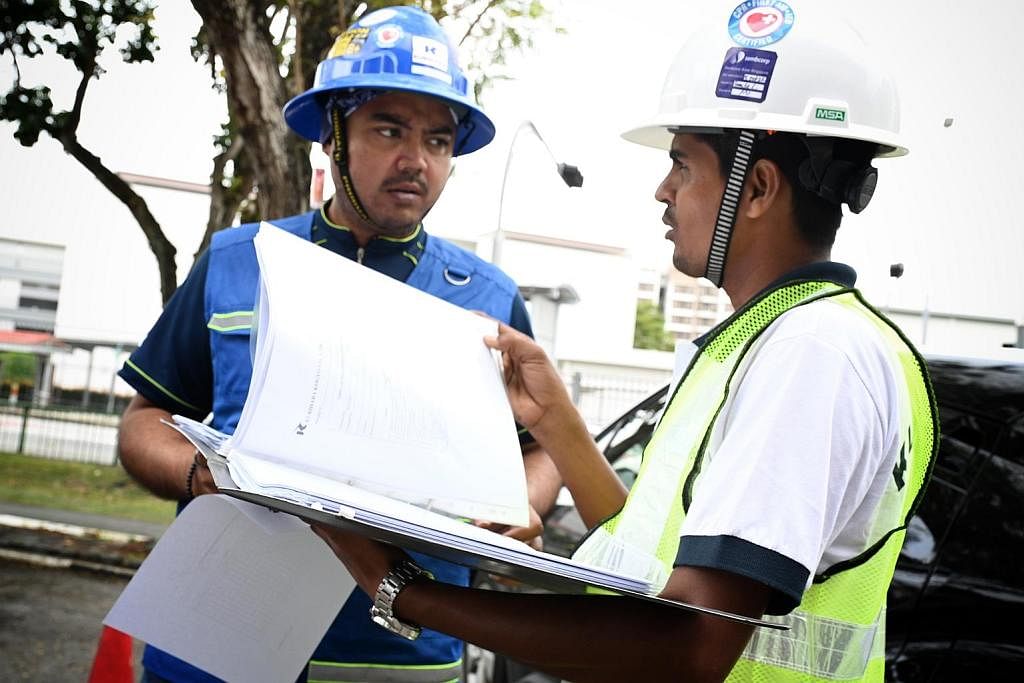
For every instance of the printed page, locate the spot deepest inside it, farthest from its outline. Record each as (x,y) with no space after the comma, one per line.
(235,589)
(378,385)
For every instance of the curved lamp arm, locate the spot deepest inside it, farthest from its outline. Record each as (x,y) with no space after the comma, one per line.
(569,174)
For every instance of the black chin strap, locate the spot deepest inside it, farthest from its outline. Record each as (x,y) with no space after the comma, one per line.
(726,220)
(341,159)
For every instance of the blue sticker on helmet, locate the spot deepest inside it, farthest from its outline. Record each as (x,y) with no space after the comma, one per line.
(746,74)
(757,23)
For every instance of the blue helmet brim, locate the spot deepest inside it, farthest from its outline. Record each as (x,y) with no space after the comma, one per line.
(305,113)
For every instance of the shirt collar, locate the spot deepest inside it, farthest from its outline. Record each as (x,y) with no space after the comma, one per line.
(412,243)
(829,271)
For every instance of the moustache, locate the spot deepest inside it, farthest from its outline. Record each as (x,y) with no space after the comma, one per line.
(669,217)
(406,179)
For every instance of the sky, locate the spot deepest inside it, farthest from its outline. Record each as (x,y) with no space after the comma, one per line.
(946,211)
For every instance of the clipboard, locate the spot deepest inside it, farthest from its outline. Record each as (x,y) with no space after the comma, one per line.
(477,558)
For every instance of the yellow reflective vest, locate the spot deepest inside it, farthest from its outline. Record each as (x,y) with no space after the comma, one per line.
(837,632)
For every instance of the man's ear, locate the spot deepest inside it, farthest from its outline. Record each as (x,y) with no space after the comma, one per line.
(763,188)
(328,146)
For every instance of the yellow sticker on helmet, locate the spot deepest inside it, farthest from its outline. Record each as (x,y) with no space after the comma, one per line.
(349,43)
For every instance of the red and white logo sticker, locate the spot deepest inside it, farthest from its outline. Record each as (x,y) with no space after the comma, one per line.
(760,22)
(387,36)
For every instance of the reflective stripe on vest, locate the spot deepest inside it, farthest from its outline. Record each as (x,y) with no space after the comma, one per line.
(383,673)
(841,650)
(838,630)
(226,322)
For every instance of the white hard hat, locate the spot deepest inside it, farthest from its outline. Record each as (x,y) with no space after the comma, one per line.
(773,65)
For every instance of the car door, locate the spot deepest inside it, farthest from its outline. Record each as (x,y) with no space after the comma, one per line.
(957,599)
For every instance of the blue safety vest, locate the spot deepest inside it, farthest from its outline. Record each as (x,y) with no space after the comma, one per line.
(354,648)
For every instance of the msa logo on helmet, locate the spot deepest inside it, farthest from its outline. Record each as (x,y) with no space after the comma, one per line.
(757,23)
(828,114)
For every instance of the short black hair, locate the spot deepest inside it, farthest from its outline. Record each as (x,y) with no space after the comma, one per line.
(817,219)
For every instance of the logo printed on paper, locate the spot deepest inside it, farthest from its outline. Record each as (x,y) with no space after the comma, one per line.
(378,17)
(757,23)
(387,36)
(829,114)
(430,52)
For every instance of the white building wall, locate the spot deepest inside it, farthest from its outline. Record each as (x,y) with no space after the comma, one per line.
(600,325)
(110,288)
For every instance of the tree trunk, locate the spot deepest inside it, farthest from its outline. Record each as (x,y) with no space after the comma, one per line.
(158,242)
(224,202)
(238,33)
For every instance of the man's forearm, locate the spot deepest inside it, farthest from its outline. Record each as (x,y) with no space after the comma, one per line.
(596,489)
(542,479)
(582,638)
(153,454)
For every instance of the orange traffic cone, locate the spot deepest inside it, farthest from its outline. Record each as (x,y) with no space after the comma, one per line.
(113,661)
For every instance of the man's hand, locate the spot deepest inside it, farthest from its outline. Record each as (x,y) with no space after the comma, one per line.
(367,560)
(530,535)
(202,478)
(534,386)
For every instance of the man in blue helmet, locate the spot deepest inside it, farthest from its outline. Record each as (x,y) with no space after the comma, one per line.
(391,108)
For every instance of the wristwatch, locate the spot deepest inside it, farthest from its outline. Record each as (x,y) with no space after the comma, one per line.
(381,612)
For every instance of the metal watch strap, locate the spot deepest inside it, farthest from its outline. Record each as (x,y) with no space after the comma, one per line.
(382,610)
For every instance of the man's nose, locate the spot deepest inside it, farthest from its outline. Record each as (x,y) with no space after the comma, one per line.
(413,156)
(664,193)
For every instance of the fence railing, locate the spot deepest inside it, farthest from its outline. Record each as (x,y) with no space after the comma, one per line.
(71,432)
(600,399)
(59,432)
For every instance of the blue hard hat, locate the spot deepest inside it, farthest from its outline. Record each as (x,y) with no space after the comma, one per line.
(395,48)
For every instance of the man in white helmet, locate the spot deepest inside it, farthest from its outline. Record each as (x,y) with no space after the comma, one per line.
(799,439)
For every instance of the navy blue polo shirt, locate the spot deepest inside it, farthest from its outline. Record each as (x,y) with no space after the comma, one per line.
(173,369)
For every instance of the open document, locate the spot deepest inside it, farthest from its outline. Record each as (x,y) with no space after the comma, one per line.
(381,410)
(365,381)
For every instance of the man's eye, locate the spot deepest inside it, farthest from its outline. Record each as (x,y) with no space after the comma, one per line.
(441,143)
(389,132)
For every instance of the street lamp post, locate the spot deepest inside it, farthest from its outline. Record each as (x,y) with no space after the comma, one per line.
(569,174)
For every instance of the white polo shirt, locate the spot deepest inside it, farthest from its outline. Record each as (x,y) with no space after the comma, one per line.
(801,452)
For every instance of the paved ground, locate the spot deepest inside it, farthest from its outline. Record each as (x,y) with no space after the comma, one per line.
(50,620)
(60,573)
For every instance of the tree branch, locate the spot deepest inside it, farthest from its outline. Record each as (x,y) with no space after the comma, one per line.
(158,242)
(476,21)
(17,70)
(222,202)
(75,116)
(296,67)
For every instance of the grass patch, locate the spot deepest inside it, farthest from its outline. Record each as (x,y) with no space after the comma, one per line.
(79,487)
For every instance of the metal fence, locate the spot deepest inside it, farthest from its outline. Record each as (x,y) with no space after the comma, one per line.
(602,398)
(84,429)
(59,432)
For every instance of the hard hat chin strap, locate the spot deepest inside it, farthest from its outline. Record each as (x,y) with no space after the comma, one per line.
(341,159)
(726,219)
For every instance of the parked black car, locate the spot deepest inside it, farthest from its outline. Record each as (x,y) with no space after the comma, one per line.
(956,604)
